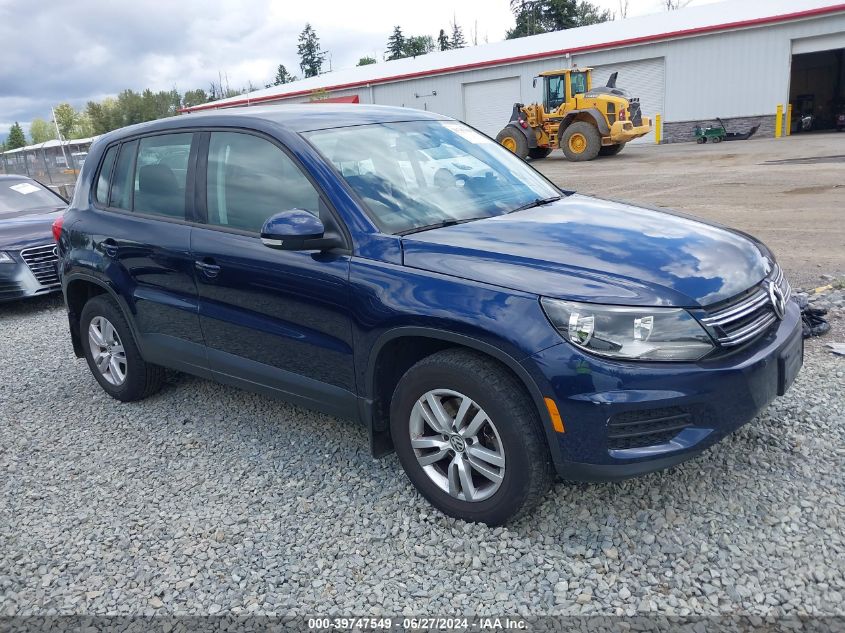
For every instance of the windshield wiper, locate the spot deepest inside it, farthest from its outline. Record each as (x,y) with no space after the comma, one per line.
(538,202)
(439,225)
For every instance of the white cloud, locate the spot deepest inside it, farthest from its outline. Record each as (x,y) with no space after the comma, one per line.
(90,48)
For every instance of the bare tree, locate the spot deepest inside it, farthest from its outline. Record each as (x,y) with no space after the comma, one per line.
(623,9)
(671,5)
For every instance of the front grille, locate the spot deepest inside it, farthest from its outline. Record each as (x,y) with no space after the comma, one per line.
(637,429)
(42,262)
(745,317)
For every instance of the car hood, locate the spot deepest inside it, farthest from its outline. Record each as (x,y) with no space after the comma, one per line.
(25,228)
(594,250)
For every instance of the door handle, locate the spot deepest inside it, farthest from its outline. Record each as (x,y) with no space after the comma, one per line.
(109,247)
(207,268)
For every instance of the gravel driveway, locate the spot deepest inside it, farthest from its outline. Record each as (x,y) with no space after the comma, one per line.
(206,499)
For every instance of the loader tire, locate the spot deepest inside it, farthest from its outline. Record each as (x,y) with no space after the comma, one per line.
(581,141)
(514,140)
(536,153)
(611,150)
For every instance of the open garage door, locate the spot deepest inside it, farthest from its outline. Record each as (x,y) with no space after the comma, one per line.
(817,81)
(488,104)
(644,79)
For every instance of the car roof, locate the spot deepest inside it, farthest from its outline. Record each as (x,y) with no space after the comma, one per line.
(14,177)
(300,117)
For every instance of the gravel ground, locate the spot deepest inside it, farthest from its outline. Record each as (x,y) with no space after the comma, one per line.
(205,499)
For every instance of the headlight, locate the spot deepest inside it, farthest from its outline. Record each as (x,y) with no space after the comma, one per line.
(5,258)
(632,333)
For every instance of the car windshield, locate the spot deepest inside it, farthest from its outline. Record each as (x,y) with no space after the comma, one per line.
(419,174)
(26,195)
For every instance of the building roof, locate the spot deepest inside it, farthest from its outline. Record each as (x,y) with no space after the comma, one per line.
(52,143)
(687,22)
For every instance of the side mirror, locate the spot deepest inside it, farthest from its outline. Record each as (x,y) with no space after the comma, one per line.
(297,230)
(534,82)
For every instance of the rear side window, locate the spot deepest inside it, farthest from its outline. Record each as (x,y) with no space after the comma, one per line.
(102,194)
(250,179)
(121,181)
(161,174)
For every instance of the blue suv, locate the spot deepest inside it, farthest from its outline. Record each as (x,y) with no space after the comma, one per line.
(398,268)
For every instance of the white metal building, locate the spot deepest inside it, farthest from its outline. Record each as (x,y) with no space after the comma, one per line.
(737,60)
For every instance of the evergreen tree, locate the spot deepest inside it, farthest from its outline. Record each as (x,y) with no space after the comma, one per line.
(282,76)
(16,137)
(396,44)
(457,39)
(443,41)
(366,61)
(310,56)
(544,16)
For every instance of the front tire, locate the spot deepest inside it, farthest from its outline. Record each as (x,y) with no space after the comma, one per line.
(514,140)
(112,354)
(469,437)
(581,141)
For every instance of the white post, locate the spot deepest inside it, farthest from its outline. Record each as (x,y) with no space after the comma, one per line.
(61,140)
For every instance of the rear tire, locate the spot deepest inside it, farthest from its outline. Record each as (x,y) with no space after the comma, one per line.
(611,150)
(514,140)
(509,435)
(538,153)
(581,141)
(128,377)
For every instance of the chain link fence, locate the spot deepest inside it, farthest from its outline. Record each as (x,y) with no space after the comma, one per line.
(53,163)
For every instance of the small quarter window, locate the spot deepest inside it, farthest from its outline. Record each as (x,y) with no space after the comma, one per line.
(121,182)
(102,194)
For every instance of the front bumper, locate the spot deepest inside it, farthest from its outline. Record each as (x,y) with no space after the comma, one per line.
(17,281)
(624,131)
(598,399)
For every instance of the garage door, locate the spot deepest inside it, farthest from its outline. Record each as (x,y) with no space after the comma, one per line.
(644,79)
(488,104)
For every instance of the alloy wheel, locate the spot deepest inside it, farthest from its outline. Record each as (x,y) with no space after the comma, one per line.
(457,445)
(107,350)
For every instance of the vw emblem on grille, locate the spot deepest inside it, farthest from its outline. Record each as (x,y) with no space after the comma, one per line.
(778,300)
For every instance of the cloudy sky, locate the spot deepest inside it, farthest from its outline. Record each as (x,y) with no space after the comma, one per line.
(89,49)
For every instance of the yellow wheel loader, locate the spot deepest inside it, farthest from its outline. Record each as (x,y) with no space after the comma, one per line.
(582,121)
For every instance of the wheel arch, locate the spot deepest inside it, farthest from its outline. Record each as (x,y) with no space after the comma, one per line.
(382,377)
(78,289)
(591,115)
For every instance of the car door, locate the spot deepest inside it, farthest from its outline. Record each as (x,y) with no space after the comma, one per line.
(143,197)
(271,318)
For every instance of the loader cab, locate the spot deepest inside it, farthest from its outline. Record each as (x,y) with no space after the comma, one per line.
(561,86)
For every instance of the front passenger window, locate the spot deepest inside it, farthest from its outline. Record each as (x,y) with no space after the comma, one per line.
(250,179)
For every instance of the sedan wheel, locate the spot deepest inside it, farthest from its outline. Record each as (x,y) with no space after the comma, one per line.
(457,445)
(107,350)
